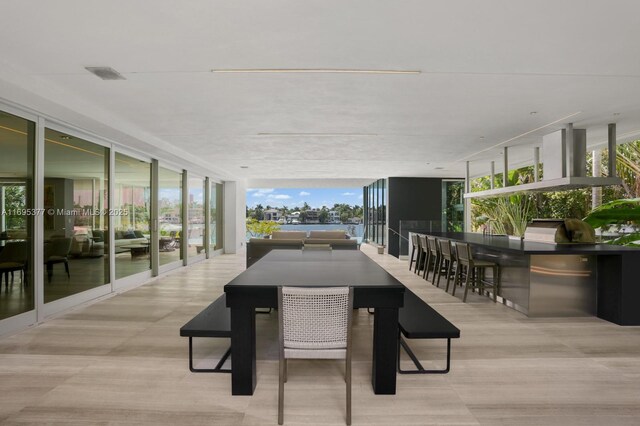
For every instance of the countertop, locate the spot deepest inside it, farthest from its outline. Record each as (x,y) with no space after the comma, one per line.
(504,243)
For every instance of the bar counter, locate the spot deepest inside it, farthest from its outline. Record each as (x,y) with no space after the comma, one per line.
(545,280)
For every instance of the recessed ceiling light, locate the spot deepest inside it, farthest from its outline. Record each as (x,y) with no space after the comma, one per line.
(481,137)
(616,113)
(312,71)
(533,112)
(244,167)
(439,168)
(105,73)
(65,137)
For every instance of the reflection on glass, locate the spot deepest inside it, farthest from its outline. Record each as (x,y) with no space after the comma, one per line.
(76,222)
(453,202)
(376,211)
(130,221)
(195,239)
(17,138)
(215,241)
(170,206)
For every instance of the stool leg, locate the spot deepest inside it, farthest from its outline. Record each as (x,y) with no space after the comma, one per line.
(496,283)
(456,276)
(427,261)
(470,272)
(449,267)
(440,266)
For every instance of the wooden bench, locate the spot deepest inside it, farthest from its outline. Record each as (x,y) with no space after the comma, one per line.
(418,320)
(213,321)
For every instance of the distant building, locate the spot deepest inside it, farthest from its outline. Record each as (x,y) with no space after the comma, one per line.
(334,216)
(272,214)
(313,216)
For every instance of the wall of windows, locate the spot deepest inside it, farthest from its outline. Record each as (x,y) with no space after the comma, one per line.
(130,221)
(215,216)
(76,223)
(195,207)
(17,138)
(84,227)
(375,214)
(170,215)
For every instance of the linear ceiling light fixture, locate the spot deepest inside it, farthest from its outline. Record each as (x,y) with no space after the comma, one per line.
(311,71)
(316,134)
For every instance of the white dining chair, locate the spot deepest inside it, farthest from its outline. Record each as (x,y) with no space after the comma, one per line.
(314,323)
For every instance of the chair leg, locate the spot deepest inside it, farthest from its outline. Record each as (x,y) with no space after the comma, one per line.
(427,262)
(456,278)
(49,271)
(348,377)
(496,283)
(281,392)
(66,268)
(467,282)
(441,265)
(449,268)
(413,252)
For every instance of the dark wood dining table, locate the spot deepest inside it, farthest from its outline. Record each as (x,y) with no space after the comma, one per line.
(257,288)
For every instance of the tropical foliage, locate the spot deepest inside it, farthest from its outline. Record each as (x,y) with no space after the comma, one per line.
(510,214)
(259,228)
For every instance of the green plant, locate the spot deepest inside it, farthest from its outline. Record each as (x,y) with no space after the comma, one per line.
(259,228)
(618,212)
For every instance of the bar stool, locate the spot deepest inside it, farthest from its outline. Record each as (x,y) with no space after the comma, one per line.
(424,253)
(447,260)
(474,271)
(421,255)
(434,249)
(414,245)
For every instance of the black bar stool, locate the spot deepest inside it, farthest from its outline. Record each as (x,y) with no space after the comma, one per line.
(434,250)
(414,245)
(475,272)
(447,260)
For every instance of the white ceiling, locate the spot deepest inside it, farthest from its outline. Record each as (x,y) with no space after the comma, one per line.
(485,66)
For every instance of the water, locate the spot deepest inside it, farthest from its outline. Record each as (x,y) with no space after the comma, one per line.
(353,230)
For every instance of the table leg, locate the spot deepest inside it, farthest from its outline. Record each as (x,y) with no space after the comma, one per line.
(243,351)
(385,342)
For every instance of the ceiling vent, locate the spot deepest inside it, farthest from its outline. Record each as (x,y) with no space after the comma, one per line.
(105,73)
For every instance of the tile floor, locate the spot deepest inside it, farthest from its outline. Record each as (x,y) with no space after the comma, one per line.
(121,362)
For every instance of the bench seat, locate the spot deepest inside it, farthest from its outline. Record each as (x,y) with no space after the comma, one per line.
(418,320)
(213,321)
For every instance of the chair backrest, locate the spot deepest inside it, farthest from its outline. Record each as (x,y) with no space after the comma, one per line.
(445,248)
(463,252)
(57,247)
(14,251)
(422,242)
(433,244)
(315,318)
(414,240)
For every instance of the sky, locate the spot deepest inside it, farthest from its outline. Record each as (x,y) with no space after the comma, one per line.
(292,197)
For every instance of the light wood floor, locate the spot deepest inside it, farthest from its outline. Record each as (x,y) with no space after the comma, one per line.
(122,362)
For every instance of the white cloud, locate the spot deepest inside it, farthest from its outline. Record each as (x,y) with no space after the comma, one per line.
(251,189)
(348,193)
(304,193)
(261,192)
(279,196)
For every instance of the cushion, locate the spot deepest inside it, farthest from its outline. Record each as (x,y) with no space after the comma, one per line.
(98,235)
(138,234)
(128,235)
(118,235)
(328,235)
(288,235)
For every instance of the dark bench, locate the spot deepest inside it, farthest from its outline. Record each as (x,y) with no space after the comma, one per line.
(213,321)
(418,320)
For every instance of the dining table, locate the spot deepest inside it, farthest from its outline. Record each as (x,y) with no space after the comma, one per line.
(257,286)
